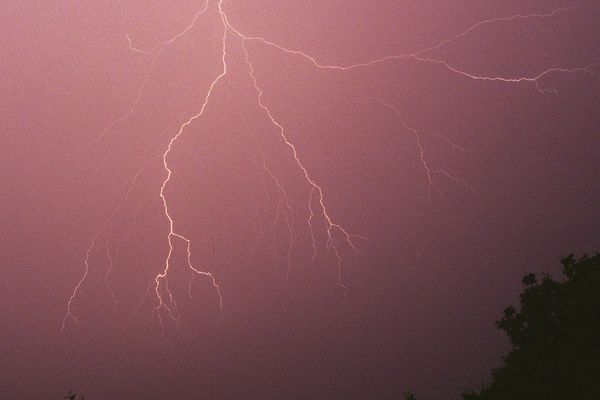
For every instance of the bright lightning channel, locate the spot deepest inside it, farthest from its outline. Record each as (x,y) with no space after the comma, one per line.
(316,203)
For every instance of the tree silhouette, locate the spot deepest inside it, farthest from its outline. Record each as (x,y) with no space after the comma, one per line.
(555,337)
(409,396)
(73,396)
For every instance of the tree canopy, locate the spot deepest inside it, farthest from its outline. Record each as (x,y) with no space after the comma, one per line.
(555,338)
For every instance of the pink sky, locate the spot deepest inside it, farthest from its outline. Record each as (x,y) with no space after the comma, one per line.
(365,224)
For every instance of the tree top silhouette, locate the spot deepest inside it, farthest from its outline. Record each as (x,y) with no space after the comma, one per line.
(555,338)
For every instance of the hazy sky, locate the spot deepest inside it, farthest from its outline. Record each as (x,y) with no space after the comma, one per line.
(365,181)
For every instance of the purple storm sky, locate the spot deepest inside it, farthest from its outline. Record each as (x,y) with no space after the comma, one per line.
(361,184)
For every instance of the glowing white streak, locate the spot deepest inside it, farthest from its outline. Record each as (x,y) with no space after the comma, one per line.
(172,39)
(429,172)
(109,269)
(447,141)
(104,228)
(133,106)
(156,52)
(436,135)
(172,234)
(283,200)
(494,20)
(531,79)
(330,226)
(416,56)
(417,134)
(316,195)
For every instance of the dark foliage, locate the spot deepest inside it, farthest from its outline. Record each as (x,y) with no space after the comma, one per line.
(73,396)
(555,337)
(409,396)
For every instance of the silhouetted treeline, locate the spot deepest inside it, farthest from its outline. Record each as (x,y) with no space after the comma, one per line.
(555,338)
(73,396)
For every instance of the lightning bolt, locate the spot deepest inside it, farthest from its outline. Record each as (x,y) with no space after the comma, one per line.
(283,204)
(162,277)
(330,225)
(105,229)
(319,218)
(419,55)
